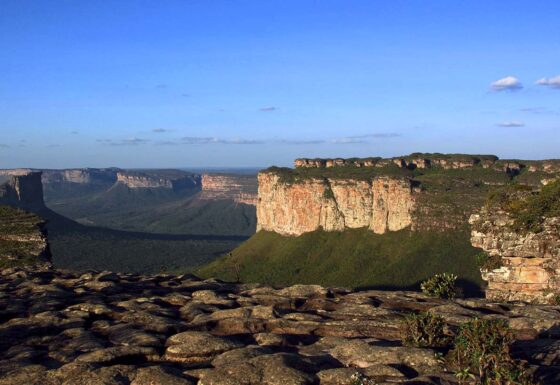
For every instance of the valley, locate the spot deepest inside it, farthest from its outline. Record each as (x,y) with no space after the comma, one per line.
(147,221)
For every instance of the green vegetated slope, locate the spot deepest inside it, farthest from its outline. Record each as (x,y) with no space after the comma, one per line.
(353,258)
(154,210)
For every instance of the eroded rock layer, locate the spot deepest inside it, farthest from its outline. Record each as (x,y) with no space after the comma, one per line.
(239,188)
(530,262)
(381,204)
(445,161)
(63,328)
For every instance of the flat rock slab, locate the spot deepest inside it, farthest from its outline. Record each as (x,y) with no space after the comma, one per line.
(60,328)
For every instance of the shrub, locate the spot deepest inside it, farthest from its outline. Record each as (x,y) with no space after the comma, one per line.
(440,285)
(359,379)
(423,330)
(485,261)
(527,209)
(482,350)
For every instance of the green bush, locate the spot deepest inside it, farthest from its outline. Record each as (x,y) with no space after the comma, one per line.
(485,261)
(423,330)
(528,210)
(529,214)
(481,351)
(440,285)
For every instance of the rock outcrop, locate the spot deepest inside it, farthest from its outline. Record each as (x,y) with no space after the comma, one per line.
(23,238)
(239,188)
(24,191)
(63,328)
(530,262)
(80,175)
(381,204)
(175,180)
(445,161)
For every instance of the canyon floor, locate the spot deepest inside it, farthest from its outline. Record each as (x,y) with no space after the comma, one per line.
(59,327)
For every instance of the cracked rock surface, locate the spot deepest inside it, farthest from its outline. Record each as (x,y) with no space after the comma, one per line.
(64,328)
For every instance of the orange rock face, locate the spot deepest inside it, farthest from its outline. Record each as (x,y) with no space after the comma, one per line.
(530,268)
(240,188)
(382,204)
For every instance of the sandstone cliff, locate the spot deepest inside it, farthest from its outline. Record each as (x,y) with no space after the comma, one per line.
(239,188)
(80,175)
(381,204)
(158,179)
(528,262)
(25,191)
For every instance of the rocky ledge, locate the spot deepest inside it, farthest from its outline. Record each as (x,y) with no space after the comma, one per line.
(104,328)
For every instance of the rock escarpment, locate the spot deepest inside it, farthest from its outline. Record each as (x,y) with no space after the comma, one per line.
(23,238)
(25,191)
(445,161)
(381,204)
(239,188)
(80,176)
(174,180)
(530,262)
(62,328)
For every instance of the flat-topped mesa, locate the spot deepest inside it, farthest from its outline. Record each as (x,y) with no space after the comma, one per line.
(239,188)
(138,179)
(445,161)
(81,175)
(24,191)
(525,262)
(380,204)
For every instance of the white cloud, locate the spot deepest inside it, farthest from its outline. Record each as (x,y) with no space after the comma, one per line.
(509,83)
(511,123)
(550,82)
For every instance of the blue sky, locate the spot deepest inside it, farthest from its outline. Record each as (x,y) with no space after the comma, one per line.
(254,83)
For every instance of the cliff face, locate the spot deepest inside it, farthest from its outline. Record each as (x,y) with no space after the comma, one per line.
(25,191)
(22,238)
(142,181)
(239,188)
(80,176)
(530,261)
(445,161)
(146,180)
(381,204)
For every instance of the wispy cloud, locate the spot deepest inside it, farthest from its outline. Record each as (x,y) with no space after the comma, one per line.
(511,123)
(124,142)
(161,86)
(364,138)
(214,140)
(4,146)
(298,142)
(539,111)
(268,109)
(74,132)
(553,82)
(509,83)
(161,130)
